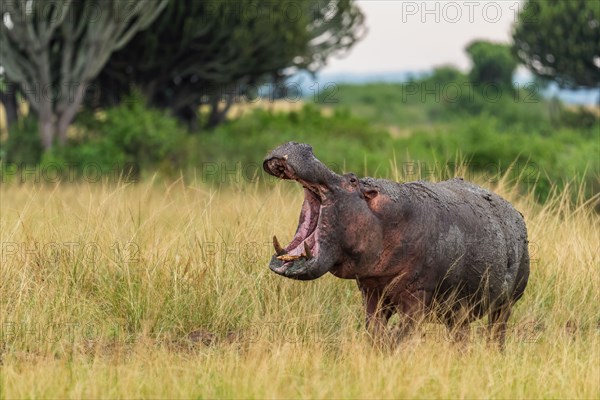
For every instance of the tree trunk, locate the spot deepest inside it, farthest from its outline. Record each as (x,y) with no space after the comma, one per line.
(47,132)
(216,115)
(47,126)
(62,127)
(69,110)
(188,116)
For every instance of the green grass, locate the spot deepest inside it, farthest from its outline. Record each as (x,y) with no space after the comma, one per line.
(102,285)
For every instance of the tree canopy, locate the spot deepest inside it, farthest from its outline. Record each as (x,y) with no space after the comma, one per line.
(559,40)
(493,63)
(200,52)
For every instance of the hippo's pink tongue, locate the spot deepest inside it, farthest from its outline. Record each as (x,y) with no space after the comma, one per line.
(304,244)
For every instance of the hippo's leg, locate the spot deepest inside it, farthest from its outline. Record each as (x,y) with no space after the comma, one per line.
(378,312)
(411,308)
(498,323)
(458,324)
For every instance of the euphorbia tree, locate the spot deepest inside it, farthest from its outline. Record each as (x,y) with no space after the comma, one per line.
(53,50)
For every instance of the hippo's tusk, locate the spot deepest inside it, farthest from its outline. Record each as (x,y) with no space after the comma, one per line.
(277,246)
(307,253)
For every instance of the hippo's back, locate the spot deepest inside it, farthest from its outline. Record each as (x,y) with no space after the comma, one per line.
(503,234)
(476,242)
(473,240)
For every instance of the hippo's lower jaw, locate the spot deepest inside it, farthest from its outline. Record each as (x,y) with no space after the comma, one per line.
(301,269)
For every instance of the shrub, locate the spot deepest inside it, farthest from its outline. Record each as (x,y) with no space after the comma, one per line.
(349,142)
(540,160)
(23,145)
(580,117)
(128,138)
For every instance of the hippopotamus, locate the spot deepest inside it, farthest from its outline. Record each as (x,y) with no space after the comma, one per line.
(449,250)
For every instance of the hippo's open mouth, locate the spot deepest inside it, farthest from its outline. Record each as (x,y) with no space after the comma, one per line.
(301,258)
(305,244)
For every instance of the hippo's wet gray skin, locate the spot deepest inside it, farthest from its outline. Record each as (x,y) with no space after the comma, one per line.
(409,246)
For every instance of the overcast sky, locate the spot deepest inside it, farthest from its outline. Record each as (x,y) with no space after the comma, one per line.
(418,35)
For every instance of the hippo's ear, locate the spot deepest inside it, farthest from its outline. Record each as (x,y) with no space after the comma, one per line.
(370,194)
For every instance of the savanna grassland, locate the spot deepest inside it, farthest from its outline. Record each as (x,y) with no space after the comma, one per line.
(161,289)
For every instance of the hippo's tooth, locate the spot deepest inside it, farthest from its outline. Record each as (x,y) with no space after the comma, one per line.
(307,253)
(277,246)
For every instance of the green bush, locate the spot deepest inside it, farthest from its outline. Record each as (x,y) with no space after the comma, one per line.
(348,143)
(580,117)
(492,63)
(129,138)
(537,159)
(23,145)
(447,95)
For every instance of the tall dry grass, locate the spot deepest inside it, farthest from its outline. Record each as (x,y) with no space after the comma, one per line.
(162,290)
